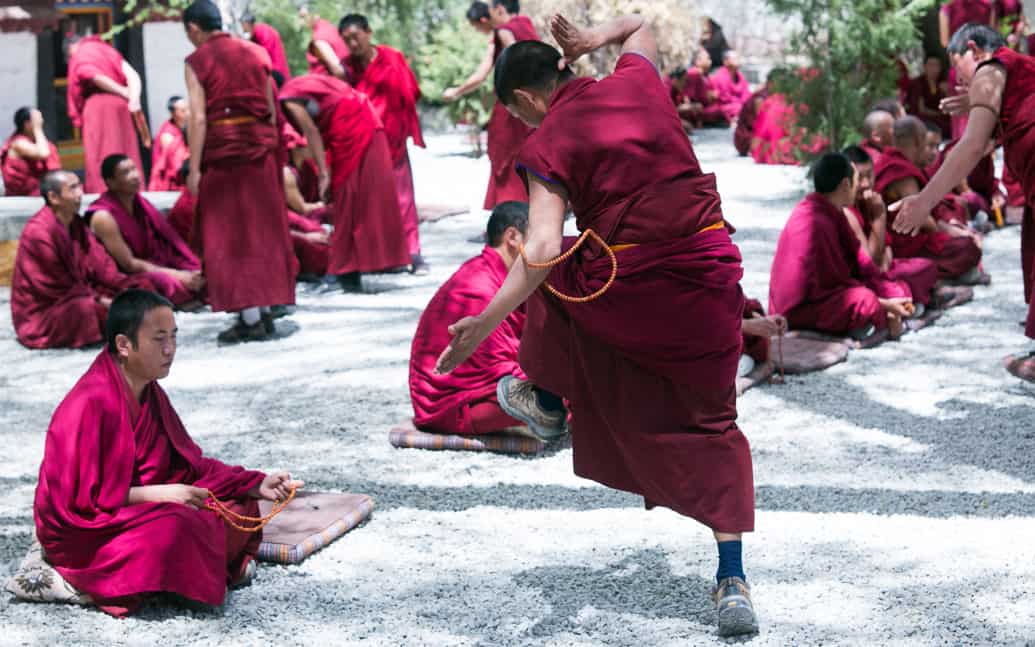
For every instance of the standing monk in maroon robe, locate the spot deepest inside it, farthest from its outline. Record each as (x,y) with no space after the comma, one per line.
(925,94)
(241,229)
(120,507)
(648,361)
(1001,83)
(464,401)
(27,154)
(506,132)
(943,239)
(731,86)
(383,74)
(139,237)
(63,278)
(341,126)
(170,149)
(326,50)
(268,38)
(103,95)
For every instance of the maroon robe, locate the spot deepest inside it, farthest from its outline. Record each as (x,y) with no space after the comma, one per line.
(733,92)
(464,401)
(368,230)
(920,93)
(392,88)
(873,148)
(59,275)
(699,90)
(100,443)
(168,153)
(954,255)
(325,31)
(1017,132)
(649,367)
(269,39)
(105,120)
(982,183)
(151,238)
(313,257)
(816,280)
(911,278)
(757,348)
(746,122)
(22,176)
(181,217)
(240,225)
(506,132)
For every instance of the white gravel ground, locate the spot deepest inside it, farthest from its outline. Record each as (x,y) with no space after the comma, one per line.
(895,492)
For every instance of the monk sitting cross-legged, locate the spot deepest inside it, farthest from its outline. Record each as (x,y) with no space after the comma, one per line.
(944,238)
(816,280)
(139,238)
(63,278)
(121,507)
(644,344)
(464,401)
(27,154)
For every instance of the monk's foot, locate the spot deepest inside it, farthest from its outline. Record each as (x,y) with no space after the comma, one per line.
(246,576)
(973,276)
(736,614)
(1021,366)
(351,282)
(948,296)
(418,266)
(518,400)
(241,332)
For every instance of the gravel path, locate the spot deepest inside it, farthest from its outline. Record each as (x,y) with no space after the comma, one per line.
(895,491)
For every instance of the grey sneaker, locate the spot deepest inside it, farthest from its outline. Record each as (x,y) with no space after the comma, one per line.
(736,615)
(518,400)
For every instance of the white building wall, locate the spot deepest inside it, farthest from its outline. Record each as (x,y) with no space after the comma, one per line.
(165,47)
(18,74)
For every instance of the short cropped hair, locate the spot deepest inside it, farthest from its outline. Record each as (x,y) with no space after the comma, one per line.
(52,182)
(506,214)
(354,20)
(170,105)
(477,12)
(830,171)
(249,18)
(21,117)
(127,312)
(111,163)
(205,14)
(512,6)
(857,155)
(909,128)
(527,64)
(986,38)
(891,106)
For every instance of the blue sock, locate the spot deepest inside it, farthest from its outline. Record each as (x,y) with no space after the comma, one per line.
(730,562)
(548,401)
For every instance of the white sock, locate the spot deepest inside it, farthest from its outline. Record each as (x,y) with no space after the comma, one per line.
(264,310)
(250,316)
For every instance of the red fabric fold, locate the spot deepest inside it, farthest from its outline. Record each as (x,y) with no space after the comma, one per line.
(22,176)
(733,92)
(269,39)
(167,158)
(393,91)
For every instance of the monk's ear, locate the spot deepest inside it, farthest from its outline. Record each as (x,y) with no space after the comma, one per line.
(123,346)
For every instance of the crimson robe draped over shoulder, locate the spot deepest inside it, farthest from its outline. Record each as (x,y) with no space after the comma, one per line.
(181,216)
(95,452)
(241,228)
(440,401)
(328,33)
(168,153)
(649,367)
(961,12)
(368,231)
(733,92)
(911,278)
(59,273)
(506,133)
(105,120)
(393,91)
(22,176)
(151,238)
(269,39)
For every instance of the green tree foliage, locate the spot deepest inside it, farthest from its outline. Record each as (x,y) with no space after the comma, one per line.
(450,56)
(849,48)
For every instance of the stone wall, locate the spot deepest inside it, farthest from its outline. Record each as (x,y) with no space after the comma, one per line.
(165,47)
(18,71)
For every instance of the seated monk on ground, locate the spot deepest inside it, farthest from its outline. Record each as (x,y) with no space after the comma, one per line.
(981,192)
(816,281)
(749,114)
(944,238)
(888,276)
(63,278)
(120,507)
(700,93)
(139,237)
(648,361)
(877,132)
(464,401)
(731,86)
(926,93)
(170,149)
(678,83)
(27,154)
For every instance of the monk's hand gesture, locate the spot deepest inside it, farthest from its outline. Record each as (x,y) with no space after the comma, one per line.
(872,206)
(276,487)
(912,215)
(760,325)
(467,334)
(574,42)
(957,105)
(182,493)
(451,94)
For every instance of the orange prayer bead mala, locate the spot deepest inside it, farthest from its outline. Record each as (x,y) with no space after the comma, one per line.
(589,233)
(235,520)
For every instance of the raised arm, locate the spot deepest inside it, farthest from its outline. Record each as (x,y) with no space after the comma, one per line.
(631,32)
(322,50)
(107,84)
(547,204)
(39,147)
(197,129)
(133,86)
(474,81)
(298,116)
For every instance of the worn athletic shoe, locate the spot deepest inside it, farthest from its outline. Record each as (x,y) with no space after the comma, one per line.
(518,400)
(241,332)
(351,282)
(736,615)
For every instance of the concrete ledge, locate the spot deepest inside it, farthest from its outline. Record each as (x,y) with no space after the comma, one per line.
(14,212)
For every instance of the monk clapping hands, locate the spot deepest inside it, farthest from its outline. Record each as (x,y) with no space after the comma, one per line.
(574,42)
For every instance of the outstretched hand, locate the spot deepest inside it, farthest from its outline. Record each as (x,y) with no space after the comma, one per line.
(956,105)
(574,42)
(467,334)
(912,216)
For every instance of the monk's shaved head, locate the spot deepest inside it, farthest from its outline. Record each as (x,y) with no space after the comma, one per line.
(527,65)
(984,38)
(830,171)
(504,216)
(54,182)
(909,130)
(875,121)
(205,14)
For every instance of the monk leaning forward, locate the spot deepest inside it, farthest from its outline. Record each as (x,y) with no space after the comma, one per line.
(120,507)
(648,361)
